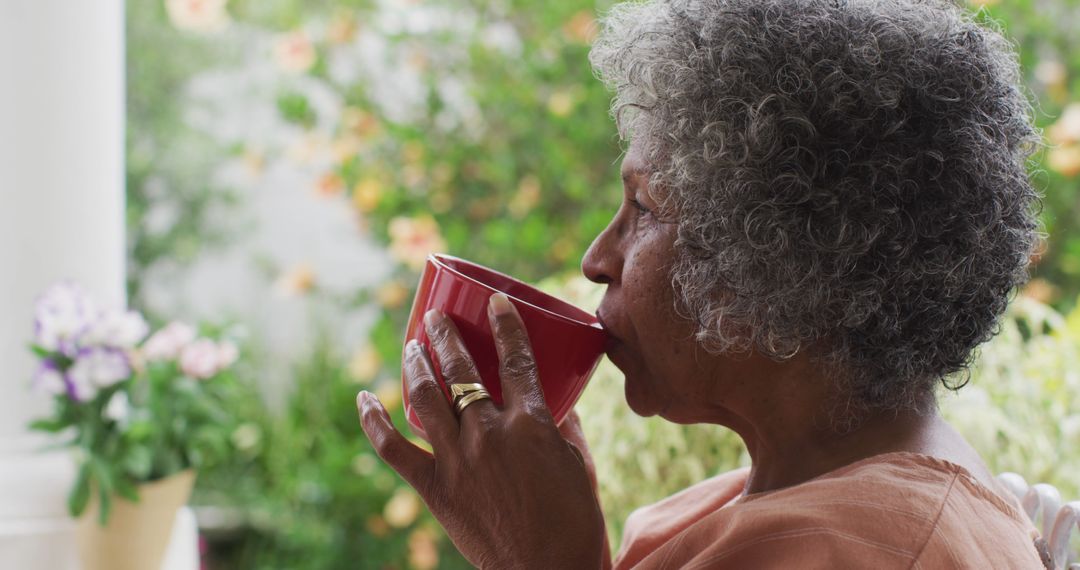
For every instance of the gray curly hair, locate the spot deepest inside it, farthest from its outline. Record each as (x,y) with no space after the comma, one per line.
(848,177)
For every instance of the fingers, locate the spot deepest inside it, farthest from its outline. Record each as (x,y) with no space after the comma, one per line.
(429,401)
(517,365)
(456,364)
(415,465)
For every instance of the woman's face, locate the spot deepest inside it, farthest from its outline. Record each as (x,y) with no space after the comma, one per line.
(649,342)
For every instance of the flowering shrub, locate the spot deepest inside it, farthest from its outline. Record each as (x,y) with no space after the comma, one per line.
(135,410)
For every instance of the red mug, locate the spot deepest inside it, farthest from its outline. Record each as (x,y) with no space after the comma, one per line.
(566,340)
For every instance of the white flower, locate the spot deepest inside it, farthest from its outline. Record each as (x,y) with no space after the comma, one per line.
(198,15)
(200,359)
(117,329)
(62,313)
(118,409)
(227,353)
(96,368)
(295,53)
(246,436)
(167,343)
(49,379)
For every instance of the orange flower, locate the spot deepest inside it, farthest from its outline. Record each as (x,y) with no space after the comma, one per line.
(329,184)
(423,550)
(561,103)
(392,295)
(364,364)
(342,28)
(203,16)
(294,52)
(402,508)
(1067,128)
(366,195)
(412,239)
(297,281)
(360,122)
(1065,160)
(377,526)
(581,28)
(526,198)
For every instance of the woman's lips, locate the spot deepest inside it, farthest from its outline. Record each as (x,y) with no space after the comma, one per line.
(612,340)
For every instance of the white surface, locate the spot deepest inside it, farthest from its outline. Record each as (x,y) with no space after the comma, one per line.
(183,551)
(61,216)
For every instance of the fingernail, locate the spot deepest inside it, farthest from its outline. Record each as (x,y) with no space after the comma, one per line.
(432,318)
(362,399)
(500,305)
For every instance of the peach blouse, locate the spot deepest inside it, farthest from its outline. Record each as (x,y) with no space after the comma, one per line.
(896,510)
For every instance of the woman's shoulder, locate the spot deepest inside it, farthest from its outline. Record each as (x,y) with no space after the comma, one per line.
(893,510)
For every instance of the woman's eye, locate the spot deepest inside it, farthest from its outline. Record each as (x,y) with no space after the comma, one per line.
(642,210)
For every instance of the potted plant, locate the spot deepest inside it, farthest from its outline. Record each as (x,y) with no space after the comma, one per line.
(141,413)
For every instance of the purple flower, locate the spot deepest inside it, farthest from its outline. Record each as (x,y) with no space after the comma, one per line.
(116,329)
(95,368)
(62,313)
(50,379)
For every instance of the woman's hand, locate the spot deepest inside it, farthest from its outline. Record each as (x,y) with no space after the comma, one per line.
(509,489)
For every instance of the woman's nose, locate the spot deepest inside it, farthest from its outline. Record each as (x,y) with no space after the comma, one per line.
(603,262)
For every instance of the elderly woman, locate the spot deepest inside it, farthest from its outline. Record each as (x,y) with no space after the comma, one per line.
(825,212)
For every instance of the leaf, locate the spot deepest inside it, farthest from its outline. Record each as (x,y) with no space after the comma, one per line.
(105,498)
(126,489)
(80,494)
(41,352)
(50,425)
(138,462)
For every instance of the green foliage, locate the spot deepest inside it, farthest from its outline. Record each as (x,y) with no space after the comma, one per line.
(309,489)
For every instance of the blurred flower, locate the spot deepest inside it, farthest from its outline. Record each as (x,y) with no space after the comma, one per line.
(423,551)
(200,359)
(360,122)
(167,343)
(246,436)
(402,508)
(117,329)
(1064,159)
(296,281)
(981,3)
(344,148)
(364,364)
(305,149)
(1067,128)
(342,28)
(581,28)
(254,161)
(392,295)
(49,379)
(561,103)
(62,313)
(389,393)
(366,195)
(526,198)
(412,239)
(95,368)
(364,464)
(294,52)
(1041,290)
(227,353)
(377,526)
(118,409)
(1051,73)
(198,15)
(329,184)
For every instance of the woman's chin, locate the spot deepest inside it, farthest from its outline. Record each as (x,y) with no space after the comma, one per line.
(639,402)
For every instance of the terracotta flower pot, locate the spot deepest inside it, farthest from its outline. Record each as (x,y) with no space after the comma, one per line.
(137,534)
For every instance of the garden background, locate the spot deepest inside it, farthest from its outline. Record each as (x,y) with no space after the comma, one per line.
(290,164)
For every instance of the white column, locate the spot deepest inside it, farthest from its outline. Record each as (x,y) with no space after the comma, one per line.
(61,217)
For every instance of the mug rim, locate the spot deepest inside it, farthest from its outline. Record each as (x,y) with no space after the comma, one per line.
(438,260)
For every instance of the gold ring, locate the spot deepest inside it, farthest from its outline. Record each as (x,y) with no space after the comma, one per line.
(465,394)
